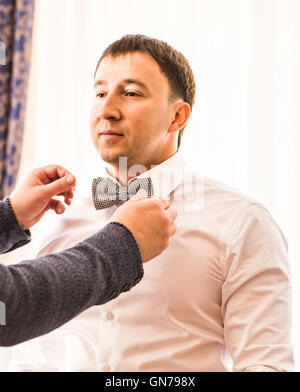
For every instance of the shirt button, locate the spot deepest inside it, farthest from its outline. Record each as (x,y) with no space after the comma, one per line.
(106,368)
(110,316)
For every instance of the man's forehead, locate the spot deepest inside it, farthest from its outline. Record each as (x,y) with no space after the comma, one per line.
(138,82)
(128,67)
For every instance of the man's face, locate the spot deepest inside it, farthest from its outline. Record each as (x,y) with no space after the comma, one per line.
(139,115)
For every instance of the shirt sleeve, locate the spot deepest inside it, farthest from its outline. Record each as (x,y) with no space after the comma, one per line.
(256,294)
(12,236)
(42,294)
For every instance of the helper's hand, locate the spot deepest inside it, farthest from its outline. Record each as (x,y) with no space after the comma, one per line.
(151,221)
(35,194)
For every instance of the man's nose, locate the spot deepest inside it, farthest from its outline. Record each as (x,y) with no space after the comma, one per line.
(108,108)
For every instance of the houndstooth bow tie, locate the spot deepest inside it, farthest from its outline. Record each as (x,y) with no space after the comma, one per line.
(107,193)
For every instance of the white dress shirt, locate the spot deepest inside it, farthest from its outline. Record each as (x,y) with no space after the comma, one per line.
(218,297)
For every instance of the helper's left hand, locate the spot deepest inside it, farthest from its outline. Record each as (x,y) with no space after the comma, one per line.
(35,194)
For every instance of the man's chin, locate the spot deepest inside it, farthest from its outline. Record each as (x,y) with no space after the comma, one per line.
(111,157)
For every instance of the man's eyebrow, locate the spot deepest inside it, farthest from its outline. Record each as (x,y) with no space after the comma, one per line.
(125,81)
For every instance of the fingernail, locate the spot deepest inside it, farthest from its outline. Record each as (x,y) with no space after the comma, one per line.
(70,179)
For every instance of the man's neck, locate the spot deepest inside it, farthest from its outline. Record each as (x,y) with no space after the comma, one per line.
(122,177)
(123,173)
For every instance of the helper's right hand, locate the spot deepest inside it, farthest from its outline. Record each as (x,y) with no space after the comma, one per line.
(34,196)
(151,221)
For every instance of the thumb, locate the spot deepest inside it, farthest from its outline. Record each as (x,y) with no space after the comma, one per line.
(141,195)
(59,186)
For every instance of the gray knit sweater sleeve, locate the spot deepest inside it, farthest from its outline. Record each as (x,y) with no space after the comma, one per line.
(12,235)
(38,296)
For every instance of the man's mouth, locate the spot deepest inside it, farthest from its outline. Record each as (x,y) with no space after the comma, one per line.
(107,135)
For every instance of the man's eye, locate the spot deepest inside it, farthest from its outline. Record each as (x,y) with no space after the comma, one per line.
(130,93)
(134,94)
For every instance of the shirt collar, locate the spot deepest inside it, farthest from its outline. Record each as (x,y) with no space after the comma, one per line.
(165,177)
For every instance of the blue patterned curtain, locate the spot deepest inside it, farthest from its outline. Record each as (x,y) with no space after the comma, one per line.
(16,18)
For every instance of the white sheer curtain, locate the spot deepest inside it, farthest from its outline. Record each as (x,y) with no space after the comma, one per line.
(243,131)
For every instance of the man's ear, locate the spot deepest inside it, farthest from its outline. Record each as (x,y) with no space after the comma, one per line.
(181,114)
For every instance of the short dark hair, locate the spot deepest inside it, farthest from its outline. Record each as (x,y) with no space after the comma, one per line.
(171,62)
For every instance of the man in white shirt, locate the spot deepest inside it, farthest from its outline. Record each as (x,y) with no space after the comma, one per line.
(221,292)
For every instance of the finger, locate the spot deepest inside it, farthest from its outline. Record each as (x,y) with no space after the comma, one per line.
(60,186)
(68,201)
(172,213)
(164,203)
(54,172)
(57,206)
(50,173)
(72,189)
(141,195)
(68,194)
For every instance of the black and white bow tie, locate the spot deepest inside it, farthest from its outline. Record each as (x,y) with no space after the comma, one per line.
(107,193)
